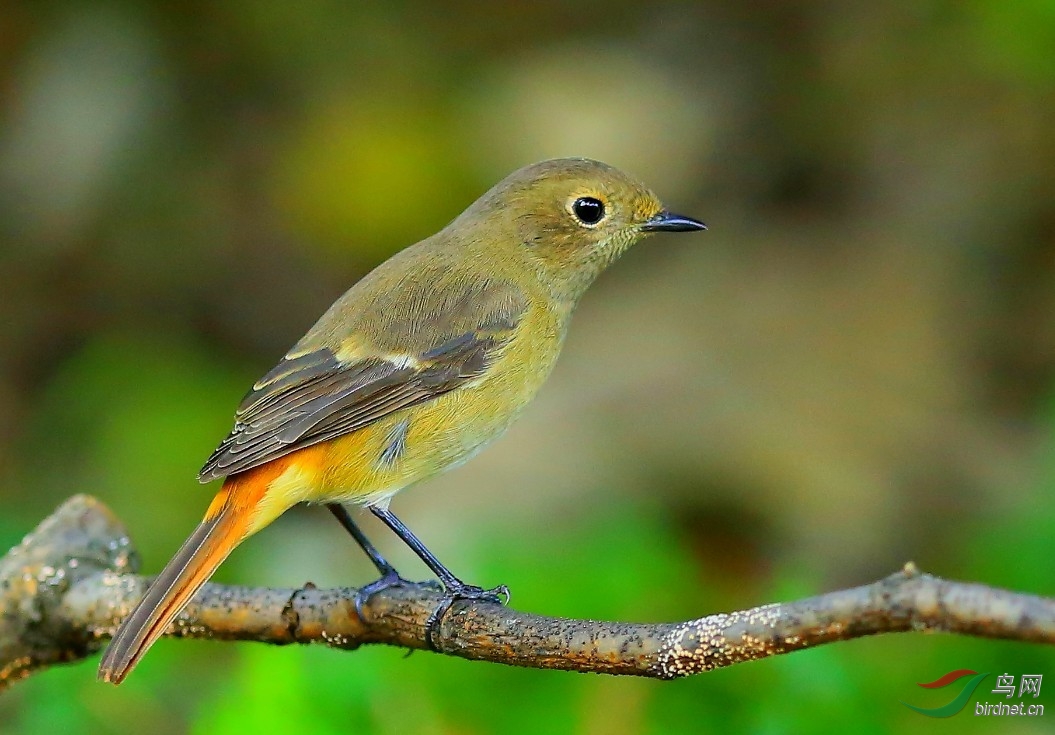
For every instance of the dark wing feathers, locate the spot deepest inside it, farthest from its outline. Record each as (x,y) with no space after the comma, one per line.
(315,397)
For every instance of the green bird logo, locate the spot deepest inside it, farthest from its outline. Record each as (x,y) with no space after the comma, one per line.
(959,701)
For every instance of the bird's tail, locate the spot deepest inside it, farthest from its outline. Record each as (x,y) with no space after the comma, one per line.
(226,524)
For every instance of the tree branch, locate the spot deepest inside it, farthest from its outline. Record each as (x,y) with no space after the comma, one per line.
(64,589)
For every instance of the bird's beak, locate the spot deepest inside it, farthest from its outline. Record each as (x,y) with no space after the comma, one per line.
(669,222)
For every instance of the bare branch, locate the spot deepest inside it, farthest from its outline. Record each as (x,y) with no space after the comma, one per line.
(65,588)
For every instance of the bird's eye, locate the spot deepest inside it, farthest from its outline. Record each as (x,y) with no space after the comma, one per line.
(588,210)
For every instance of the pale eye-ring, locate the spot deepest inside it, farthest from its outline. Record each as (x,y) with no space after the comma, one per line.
(588,210)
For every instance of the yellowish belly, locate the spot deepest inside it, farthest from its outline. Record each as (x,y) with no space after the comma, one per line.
(372,464)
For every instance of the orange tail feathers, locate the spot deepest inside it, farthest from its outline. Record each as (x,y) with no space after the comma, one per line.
(226,524)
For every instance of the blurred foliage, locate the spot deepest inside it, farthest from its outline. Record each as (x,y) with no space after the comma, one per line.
(855,367)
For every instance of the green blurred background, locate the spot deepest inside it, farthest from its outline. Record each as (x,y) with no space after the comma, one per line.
(854,368)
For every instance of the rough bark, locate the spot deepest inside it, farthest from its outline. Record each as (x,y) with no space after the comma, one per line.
(65,588)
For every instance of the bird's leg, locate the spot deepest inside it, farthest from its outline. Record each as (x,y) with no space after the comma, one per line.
(454,588)
(389,576)
(450,582)
(345,519)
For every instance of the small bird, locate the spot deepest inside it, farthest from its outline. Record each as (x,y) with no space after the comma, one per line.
(412,371)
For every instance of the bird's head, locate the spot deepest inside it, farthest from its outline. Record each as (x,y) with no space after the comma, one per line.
(570,216)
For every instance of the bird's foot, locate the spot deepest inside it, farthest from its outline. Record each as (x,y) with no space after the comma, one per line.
(389,579)
(461,591)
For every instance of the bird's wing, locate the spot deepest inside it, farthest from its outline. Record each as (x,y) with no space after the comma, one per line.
(312,396)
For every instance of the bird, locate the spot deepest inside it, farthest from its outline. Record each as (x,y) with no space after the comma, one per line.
(418,366)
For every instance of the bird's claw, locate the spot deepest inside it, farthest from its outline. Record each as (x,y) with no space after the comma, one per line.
(498,595)
(386,581)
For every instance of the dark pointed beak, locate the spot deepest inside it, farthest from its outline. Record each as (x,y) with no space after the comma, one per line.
(669,222)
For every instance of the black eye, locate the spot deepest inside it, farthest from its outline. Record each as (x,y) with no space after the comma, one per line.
(590,211)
